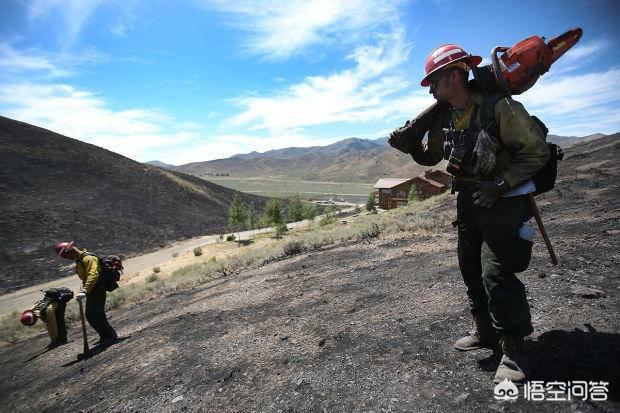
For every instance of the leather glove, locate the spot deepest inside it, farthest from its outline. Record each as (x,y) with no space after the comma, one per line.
(489,192)
(81,295)
(399,139)
(485,149)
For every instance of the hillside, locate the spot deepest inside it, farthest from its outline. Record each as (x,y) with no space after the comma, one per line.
(357,326)
(349,160)
(57,188)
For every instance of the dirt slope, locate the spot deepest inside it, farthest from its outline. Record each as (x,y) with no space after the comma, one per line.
(57,188)
(356,327)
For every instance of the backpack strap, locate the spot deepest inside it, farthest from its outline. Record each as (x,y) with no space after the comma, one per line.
(487,113)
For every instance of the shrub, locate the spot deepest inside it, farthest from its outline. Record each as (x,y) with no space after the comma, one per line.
(152,278)
(373,231)
(319,242)
(156,270)
(197,251)
(292,248)
(117,298)
(328,217)
(230,237)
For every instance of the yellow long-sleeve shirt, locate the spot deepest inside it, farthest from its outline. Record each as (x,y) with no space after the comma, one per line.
(523,150)
(87,268)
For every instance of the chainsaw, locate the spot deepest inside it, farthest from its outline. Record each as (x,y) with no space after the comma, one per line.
(512,71)
(520,66)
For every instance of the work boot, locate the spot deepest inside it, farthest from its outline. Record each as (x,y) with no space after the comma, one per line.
(482,335)
(510,366)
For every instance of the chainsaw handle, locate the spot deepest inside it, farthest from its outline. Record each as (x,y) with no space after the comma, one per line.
(497,69)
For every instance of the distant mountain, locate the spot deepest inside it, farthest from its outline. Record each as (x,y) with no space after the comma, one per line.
(568,141)
(349,160)
(160,164)
(56,188)
(352,159)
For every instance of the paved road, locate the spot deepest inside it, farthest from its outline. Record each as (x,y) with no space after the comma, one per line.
(21,299)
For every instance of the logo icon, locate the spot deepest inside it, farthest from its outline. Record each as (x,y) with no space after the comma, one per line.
(506,390)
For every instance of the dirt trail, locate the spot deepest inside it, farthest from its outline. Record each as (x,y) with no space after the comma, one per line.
(355,327)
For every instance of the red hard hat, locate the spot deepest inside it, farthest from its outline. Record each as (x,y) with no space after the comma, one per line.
(62,247)
(28,318)
(446,55)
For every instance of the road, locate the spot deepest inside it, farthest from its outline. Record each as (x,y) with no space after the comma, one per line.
(22,299)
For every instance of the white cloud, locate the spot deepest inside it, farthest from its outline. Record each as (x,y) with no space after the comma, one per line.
(127,17)
(30,60)
(279,29)
(586,50)
(82,115)
(35,61)
(577,104)
(368,92)
(74,13)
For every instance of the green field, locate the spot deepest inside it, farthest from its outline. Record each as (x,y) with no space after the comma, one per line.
(283,188)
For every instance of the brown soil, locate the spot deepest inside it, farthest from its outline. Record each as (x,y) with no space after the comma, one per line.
(354,328)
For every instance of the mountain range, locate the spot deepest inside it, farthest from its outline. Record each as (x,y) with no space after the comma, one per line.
(349,160)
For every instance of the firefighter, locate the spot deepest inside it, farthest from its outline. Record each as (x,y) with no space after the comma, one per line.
(491,175)
(51,309)
(88,269)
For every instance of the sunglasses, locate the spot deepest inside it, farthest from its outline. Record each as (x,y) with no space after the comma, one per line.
(434,80)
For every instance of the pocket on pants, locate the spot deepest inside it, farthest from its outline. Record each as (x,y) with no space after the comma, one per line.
(521,254)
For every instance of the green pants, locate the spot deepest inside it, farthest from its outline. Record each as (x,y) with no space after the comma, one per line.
(490,253)
(95,311)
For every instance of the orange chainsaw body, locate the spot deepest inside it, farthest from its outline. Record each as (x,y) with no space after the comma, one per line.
(520,66)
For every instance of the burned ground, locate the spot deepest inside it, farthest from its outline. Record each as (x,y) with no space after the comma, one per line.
(355,327)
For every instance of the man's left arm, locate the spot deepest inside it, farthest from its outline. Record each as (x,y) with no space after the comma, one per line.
(91,264)
(523,139)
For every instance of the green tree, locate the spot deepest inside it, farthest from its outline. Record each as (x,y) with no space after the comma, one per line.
(236,214)
(413,194)
(273,212)
(370,204)
(296,210)
(252,218)
(309,210)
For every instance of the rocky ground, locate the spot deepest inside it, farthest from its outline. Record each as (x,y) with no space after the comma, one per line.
(356,327)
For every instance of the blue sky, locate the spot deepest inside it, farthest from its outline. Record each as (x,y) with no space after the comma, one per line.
(183,81)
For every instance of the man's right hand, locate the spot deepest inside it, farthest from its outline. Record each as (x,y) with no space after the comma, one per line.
(81,295)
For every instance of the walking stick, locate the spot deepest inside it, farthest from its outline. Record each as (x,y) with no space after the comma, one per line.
(86,352)
(541,227)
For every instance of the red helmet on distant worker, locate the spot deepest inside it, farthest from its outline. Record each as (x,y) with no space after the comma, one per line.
(28,318)
(62,247)
(445,56)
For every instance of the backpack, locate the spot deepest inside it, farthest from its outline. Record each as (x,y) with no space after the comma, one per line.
(110,270)
(62,294)
(59,294)
(545,177)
